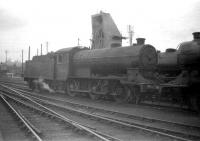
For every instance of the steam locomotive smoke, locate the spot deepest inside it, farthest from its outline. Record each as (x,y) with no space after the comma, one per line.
(44,86)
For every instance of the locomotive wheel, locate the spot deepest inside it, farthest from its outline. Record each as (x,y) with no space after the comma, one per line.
(93,88)
(72,85)
(119,94)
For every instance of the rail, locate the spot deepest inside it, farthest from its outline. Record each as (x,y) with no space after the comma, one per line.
(50,112)
(19,115)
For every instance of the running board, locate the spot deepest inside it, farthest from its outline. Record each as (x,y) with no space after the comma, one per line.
(86,91)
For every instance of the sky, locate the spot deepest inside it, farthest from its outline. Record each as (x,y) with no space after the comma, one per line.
(24,23)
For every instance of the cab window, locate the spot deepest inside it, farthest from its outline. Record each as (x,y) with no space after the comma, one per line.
(60,58)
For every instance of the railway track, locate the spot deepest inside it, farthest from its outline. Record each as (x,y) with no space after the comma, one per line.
(22,100)
(13,80)
(13,125)
(148,123)
(163,128)
(44,123)
(16,85)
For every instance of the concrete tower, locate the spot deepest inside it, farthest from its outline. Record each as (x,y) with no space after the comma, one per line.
(105,33)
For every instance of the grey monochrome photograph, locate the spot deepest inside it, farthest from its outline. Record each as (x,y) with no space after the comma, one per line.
(99,70)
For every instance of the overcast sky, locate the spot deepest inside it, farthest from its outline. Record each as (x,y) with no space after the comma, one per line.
(164,23)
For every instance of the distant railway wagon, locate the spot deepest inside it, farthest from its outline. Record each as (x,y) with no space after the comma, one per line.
(3,69)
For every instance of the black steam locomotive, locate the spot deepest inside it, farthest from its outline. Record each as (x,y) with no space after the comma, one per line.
(97,72)
(181,71)
(128,73)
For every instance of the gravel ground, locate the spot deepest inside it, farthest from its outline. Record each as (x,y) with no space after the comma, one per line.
(10,129)
(51,129)
(125,134)
(187,118)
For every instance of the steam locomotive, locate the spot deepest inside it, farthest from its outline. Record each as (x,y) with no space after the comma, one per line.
(96,72)
(181,67)
(109,70)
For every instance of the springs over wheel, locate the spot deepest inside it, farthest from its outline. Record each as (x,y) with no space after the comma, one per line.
(95,87)
(92,94)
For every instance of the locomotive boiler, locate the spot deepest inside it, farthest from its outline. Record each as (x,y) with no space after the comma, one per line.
(115,61)
(168,59)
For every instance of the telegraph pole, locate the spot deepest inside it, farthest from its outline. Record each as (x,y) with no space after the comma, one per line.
(6,55)
(78,41)
(130,32)
(47,44)
(22,62)
(37,51)
(29,52)
(41,49)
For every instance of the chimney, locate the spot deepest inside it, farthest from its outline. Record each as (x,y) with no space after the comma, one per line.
(140,41)
(196,35)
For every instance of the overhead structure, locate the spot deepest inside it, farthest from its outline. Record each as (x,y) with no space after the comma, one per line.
(105,32)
